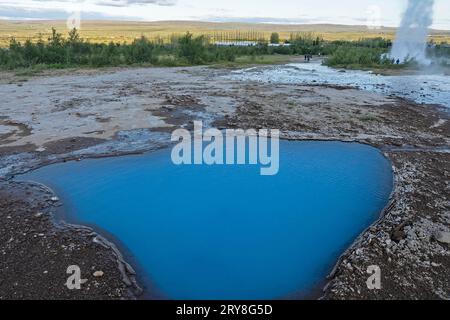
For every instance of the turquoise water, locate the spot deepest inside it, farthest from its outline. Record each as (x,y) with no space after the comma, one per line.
(226,232)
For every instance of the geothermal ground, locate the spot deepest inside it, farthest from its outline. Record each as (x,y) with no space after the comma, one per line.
(67,115)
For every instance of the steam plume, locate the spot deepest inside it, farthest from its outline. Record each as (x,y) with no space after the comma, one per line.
(411,38)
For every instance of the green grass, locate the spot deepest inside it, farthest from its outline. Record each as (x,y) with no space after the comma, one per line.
(365,58)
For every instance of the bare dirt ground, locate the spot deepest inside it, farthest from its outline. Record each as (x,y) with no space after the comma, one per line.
(62,116)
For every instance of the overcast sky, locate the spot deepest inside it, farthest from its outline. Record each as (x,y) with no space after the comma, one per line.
(387,12)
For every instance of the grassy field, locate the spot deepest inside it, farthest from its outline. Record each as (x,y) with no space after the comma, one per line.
(124,31)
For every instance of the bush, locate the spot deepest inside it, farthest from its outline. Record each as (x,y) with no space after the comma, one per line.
(275,38)
(356,56)
(193,50)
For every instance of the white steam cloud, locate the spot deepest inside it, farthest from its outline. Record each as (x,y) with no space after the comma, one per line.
(411,39)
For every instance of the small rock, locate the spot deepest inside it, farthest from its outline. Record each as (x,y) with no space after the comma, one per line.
(41,149)
(39,214)
(98,274)
(54,199)
(443,237)
(398,235)
(435,265)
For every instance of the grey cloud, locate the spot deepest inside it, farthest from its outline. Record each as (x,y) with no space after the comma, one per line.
(51,14)
(122,3)
(157,2)
(125,3)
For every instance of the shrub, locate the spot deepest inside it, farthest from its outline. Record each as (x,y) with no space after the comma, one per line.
(275,38)
(356,56)
(193,50)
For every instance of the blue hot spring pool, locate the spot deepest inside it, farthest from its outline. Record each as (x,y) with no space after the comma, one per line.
(226,232)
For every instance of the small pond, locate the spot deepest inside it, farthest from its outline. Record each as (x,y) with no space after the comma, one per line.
(226,232)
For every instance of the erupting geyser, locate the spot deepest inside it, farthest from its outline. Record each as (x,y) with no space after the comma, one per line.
(411,39)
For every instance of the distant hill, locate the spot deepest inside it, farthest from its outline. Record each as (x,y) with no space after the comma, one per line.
(119,31)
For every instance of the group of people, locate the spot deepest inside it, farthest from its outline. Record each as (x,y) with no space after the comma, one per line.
(308,57)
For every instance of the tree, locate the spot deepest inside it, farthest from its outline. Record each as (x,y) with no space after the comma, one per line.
(275,38)
(74,37)
(55,39)
(193,49)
